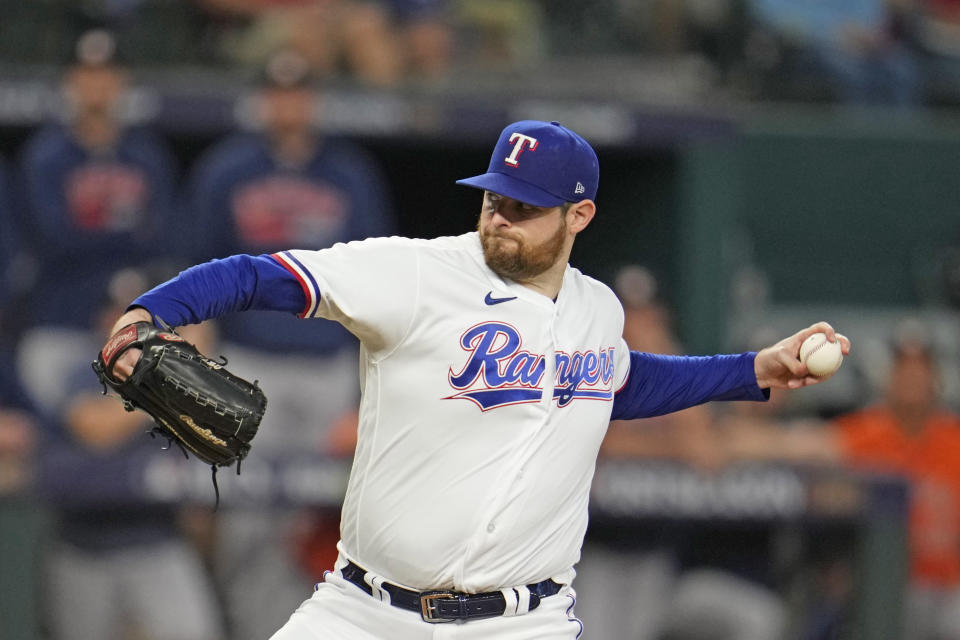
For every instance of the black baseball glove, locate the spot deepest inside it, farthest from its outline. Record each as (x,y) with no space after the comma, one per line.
(194,400)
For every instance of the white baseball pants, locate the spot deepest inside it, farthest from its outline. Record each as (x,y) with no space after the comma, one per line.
(340,610)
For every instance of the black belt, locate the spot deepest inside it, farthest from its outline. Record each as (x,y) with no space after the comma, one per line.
(447,606)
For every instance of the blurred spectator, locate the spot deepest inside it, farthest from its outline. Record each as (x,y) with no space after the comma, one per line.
(909,432)
(379,43)
(119,567)
(98,196)
(859,47)
(287,185)
(661,583)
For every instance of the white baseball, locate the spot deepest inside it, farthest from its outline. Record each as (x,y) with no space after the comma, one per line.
(821,356)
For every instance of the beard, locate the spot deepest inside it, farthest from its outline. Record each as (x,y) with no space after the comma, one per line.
(511,257)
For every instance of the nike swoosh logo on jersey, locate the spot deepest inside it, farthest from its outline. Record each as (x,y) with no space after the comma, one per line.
(490,300)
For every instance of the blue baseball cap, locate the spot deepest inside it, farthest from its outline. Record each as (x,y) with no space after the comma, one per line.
(540,163)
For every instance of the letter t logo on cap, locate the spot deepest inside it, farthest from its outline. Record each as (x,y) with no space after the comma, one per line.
(520,141)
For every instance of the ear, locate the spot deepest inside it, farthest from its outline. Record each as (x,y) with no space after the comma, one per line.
(580,214)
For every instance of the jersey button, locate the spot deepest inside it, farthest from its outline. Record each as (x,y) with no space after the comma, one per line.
(491,528)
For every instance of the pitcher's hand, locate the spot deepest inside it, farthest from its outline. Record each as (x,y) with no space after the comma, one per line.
(779,367)
(123,368)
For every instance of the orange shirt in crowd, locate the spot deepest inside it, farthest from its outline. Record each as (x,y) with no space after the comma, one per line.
(873,439)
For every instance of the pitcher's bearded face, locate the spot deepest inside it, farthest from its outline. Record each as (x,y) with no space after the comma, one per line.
(532,241)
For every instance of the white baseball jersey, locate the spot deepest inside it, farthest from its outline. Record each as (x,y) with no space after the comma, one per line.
(484,405)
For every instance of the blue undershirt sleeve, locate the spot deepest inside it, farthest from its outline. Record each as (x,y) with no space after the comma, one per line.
(660,384)
(215,288)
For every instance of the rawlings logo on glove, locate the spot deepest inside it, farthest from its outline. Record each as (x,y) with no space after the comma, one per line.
(194,400)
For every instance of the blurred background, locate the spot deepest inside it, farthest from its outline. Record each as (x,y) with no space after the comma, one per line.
(766,164)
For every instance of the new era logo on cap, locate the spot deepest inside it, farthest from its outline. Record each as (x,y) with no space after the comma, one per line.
(540,163)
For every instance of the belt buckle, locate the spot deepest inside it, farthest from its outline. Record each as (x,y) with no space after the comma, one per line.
(428,607)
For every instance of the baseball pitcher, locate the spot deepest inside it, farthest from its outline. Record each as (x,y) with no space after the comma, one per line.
(490,369)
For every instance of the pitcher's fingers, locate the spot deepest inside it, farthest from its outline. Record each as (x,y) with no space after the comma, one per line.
(845,344)
(790,361)
(123,367)
(819,327)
